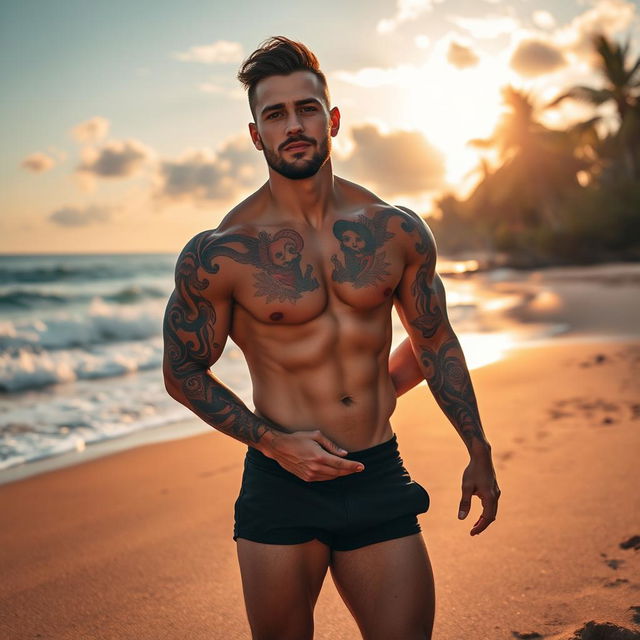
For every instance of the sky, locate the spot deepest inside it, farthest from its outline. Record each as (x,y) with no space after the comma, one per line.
(123,127)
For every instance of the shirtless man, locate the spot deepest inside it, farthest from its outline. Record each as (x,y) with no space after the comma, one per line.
(303,275)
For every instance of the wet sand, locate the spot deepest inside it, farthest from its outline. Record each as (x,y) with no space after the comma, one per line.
(139,544)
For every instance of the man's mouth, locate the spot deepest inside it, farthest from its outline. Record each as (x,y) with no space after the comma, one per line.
(296,146)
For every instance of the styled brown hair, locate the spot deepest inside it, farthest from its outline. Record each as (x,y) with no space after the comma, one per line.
(278,56)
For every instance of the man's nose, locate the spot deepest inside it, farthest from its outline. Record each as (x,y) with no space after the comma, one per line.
(294,124)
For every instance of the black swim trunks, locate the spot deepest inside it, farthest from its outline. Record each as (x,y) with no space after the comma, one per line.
(347,512)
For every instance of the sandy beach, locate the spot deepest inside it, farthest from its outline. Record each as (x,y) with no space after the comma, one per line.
(139,544)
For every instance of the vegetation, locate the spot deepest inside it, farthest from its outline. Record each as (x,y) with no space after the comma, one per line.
(556,196)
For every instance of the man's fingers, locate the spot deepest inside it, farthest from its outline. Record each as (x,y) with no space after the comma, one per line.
(465,503)
(327,444)
(489,510)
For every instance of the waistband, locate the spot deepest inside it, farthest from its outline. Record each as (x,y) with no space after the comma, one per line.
(384,451)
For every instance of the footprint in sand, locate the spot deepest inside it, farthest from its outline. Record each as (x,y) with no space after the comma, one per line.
(616,583)
(595,410)
(632,543)
(598,358)
(526,635)
(613,563)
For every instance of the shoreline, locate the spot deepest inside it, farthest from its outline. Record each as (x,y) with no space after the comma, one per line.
(535,307)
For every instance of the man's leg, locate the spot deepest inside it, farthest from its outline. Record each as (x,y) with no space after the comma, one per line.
(388,587)
(281,584)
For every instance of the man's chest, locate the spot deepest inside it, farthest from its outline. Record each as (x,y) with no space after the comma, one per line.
(290,275)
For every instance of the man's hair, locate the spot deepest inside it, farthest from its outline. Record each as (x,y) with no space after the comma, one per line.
(278,56)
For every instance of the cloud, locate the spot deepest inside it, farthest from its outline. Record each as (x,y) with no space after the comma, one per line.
(370,77)
(116,159)
(396,163)
(91,130)
(543,19)
(461,56)
(200,175)
(536,57)
(209,87)
(605,16)
(80,217)
(405,10)
(486,28)
(219,52)
(38,162)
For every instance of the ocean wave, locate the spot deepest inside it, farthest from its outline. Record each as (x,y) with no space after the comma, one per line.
(48,269)
(31,299)
(102,323)
(25,369)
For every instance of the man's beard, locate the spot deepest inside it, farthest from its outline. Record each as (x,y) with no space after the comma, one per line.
(304,169)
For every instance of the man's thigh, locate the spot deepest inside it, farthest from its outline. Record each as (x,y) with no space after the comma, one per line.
(388,587)
(281,584)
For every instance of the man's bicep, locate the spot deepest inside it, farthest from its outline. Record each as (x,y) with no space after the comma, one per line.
(197,318)
(421,301)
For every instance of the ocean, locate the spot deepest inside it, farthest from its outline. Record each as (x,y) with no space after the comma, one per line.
(81,349)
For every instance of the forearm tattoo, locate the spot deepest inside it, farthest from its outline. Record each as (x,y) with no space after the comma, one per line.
(191,347)
(442,358)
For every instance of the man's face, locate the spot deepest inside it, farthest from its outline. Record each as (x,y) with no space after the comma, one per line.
(283,252)
(291,110)
(353,241)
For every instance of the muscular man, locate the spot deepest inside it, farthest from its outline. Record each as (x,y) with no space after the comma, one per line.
(303,275)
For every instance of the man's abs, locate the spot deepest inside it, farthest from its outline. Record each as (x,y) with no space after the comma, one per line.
(330,373)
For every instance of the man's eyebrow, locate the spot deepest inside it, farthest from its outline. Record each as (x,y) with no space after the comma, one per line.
(280,105)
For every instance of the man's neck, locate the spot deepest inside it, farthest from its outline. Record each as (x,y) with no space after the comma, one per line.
(310,200)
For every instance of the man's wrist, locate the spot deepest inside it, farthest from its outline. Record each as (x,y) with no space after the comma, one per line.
(266,442)
(479,447)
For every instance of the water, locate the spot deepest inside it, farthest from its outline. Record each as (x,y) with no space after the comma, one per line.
(81,349)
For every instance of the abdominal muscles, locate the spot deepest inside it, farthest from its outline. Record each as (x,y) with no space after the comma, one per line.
(330,373)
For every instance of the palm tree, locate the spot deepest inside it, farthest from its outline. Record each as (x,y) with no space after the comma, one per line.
(622,86)
(538,165)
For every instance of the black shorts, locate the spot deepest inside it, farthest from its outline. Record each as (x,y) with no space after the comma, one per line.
(347,512)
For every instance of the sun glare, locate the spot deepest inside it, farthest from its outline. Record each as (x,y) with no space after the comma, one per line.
(451,106)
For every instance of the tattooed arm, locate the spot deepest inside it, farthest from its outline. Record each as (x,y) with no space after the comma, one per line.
(421,304)
(195,329)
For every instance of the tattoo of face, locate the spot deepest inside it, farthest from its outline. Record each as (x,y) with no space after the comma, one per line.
(363,264)
(277,257)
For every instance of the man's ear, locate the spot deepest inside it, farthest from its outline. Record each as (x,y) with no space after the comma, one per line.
(334,114)
(255,136)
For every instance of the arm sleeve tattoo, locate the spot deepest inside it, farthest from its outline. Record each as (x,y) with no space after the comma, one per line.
(423,311)
(195,329)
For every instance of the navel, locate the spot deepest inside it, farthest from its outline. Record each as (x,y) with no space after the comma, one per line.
(276,315)
(347,401)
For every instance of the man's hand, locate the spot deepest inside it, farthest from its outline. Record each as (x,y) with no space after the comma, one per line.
(311,456)
(479,479)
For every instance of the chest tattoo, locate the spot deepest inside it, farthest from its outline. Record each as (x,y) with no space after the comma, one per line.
(276,257)
(362,240)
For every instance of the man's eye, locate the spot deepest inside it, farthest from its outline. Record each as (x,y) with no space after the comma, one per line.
(308,108)
(271,115)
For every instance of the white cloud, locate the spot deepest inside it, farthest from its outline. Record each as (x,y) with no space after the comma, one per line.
(116,159)
(405,10)
(486,28)
(422,41)
(210,87)
(369,77)
(200,175)
(605,16)
(219,52)
(38,162)
(395,163)
(536,57)
(91,130)
(543,19)
(80,217)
